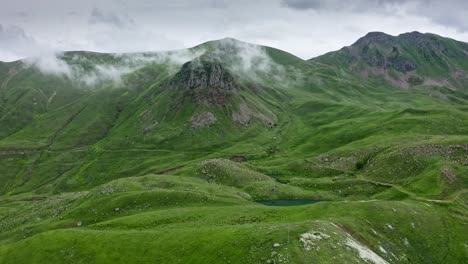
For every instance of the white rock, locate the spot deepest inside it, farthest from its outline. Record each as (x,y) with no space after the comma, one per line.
(364,252)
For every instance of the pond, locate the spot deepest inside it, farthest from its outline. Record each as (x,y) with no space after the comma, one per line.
(287,202)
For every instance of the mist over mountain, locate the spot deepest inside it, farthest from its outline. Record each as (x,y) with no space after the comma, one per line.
(178,156)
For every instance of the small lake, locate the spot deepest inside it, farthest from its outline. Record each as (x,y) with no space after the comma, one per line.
(287,202)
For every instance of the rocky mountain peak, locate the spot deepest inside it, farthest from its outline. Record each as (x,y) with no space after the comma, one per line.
(374,37)
(207,82)
(381,50)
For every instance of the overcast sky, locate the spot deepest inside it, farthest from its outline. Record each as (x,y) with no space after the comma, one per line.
(306,28)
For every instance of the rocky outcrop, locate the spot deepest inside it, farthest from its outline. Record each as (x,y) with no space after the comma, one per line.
(245,114)
(207,83)
(380,50)
(203,119)
(212,89)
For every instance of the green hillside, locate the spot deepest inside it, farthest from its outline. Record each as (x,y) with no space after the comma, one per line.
(163,157)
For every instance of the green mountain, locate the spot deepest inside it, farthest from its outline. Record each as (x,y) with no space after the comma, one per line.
(170,157)
(407,60)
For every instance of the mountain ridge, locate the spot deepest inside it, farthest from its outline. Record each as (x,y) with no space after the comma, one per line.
(405,60)
(99,152)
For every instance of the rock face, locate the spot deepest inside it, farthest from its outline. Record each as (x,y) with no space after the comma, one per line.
(380,50)
(215,94)
(203,119)
(207,83)
(407,60)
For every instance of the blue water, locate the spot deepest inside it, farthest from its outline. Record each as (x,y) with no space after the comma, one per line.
(287,202)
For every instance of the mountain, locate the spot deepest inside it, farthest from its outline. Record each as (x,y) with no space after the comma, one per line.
(164,156)
(407,60)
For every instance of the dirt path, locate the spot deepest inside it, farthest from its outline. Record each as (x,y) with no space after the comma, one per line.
(167,171)
(413,195)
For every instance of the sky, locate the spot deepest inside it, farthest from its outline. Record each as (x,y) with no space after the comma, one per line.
(305,28)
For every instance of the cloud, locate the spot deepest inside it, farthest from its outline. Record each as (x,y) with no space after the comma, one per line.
(49,63)
(99,17)
(304,4)
(14,40)
(119,32)
(450,13)
(304,28)
(341,5)
(98,72)
(250,61)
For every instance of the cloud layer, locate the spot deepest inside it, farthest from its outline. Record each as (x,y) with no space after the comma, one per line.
(306,28)
(247,60)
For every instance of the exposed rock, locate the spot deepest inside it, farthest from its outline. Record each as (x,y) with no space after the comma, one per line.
(207,83)
(449,175)
(308,239)
(148,121)
(380,50)
(203,119)
(364,252)
(238,158)
(245,114)
(415,80)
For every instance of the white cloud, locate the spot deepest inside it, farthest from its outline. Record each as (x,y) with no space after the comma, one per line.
(304,28)
(49,63)
(13,40)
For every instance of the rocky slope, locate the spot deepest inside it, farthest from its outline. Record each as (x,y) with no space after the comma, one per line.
(406,60)
(206,83)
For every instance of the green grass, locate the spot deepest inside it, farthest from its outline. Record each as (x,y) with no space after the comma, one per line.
(116,174)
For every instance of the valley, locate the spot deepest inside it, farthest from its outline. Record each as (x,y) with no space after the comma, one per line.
(188,156)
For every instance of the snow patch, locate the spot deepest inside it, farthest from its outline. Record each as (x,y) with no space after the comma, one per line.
(382,250)
(364,252)
(406,242)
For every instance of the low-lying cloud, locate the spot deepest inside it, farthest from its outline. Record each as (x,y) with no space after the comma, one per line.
(249,61)
(97,72)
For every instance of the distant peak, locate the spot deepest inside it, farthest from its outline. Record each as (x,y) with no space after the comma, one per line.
(374,36)
(230,39)
(413,33)
(413,36)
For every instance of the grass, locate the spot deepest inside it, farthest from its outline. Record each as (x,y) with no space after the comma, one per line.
(117,174)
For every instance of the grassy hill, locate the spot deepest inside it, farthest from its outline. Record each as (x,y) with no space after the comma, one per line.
(162,157)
